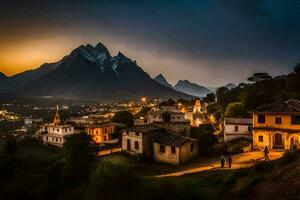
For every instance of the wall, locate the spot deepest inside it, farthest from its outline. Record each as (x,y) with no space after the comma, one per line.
(186,154)
(168,156)
(132,136)
(179,128)
(231,134)
(270,122)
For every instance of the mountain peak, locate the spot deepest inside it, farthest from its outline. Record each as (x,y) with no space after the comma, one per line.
(97,54)
(191,88)
(162,80)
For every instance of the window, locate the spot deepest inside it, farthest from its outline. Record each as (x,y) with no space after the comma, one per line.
(260,138)
(178,117)
(57,130)
(236,128)
(47,138)
(136,145)
(278,120)
(192,147)
(295,119)
(162,149)
(105,130)
(173,150)
(96,132)
(249,128)
(137,134)
(261,119)
(127,132)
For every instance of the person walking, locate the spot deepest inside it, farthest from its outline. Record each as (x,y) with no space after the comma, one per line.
(229,161)
(222,161)
(266,154)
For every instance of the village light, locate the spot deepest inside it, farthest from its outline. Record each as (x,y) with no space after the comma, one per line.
(143,99)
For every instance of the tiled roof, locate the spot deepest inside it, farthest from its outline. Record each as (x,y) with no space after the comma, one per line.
(170,139)
(238,121)
(144,128)
(290,106)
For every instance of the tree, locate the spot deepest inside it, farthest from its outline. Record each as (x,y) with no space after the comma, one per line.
(113,181)
(206,139)
(256,77)
(124,117)
(143,112)
(297,68)
(210,97)
(166,116)
(221,92)
(236,110)
(79,155)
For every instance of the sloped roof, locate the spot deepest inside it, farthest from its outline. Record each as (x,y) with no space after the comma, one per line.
(290,106)
(240,121)
(171,139)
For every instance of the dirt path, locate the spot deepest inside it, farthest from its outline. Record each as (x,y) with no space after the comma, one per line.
(239,161)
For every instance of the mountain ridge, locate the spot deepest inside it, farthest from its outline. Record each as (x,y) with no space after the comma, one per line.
(191,88)
(91,72)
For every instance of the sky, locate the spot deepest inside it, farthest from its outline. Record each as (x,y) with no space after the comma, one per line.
(209,42)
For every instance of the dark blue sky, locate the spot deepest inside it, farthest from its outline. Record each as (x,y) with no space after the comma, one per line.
(211,42)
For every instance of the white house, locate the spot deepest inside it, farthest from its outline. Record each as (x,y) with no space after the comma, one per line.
(55,133)
(137,140)
(237,128)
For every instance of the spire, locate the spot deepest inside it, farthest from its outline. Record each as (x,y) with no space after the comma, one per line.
(57,120)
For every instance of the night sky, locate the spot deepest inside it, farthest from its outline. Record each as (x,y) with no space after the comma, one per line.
(210,42)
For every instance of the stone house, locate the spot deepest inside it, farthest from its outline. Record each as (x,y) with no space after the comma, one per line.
(174,149)
(277,126)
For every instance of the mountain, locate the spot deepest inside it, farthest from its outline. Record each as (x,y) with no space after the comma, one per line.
(162,80)
(18,81)
(2,76)
(91,72)
(191,88)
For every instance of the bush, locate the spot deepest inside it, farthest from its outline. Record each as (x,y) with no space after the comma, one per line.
(238,146)
(206,139)
(289,156)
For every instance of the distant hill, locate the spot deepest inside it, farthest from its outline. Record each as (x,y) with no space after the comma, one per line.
(192,88)
(89,72)
(162,80)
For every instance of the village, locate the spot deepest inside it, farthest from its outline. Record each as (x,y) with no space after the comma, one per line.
(163,132)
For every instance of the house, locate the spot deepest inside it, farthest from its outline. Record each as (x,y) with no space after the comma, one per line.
(100,132)
(237,128)
(137,140)
(173,149)
(277,126)
(55,133)
(170,118)
(196,116)
(168,106)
